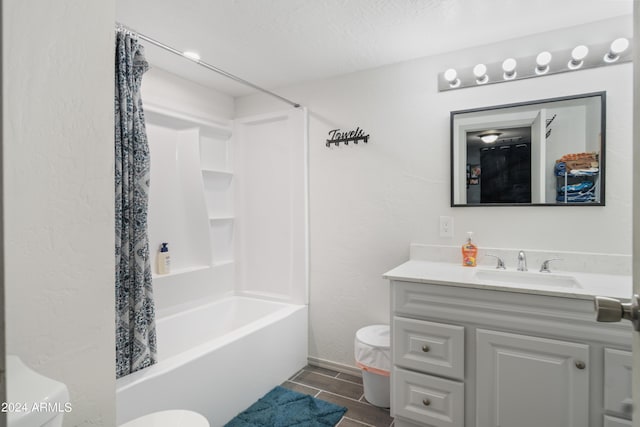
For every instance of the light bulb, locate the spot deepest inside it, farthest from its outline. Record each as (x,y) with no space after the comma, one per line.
(489,137)
(617,47)
(451,76)
(191,55)
(542,61)
(577,57)
(480,71)
(509,68)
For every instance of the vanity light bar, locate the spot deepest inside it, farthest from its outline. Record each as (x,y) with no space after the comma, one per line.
(545,63)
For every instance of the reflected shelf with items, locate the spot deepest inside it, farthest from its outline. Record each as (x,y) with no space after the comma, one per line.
(577,188)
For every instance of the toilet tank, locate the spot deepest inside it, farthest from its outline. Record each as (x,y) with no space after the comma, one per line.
(33,400)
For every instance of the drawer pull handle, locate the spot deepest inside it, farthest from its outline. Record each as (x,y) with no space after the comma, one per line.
(580,364)
(426,402)
(425,348)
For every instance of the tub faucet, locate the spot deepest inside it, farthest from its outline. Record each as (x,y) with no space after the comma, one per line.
(522,261)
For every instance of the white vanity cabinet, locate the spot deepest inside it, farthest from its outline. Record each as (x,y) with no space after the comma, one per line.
(468,357)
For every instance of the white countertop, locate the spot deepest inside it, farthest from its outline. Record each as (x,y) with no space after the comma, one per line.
(442,273)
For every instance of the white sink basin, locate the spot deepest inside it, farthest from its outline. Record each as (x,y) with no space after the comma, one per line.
(526,278)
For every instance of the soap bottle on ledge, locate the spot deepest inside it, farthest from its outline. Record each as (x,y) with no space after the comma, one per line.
(469,252)
(164,261)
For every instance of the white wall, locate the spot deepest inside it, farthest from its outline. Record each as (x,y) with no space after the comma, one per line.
(58,195)
(369,202)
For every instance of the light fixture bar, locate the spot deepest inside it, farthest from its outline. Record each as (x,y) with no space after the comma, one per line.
(544,63)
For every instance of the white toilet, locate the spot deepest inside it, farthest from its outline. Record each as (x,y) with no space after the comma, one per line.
(41,401)
(172,418)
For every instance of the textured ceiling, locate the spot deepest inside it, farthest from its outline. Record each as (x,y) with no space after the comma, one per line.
(275,43)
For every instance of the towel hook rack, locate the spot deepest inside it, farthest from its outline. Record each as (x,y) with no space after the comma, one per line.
(355,136)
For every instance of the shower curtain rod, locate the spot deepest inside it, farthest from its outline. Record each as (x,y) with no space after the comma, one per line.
(120,27)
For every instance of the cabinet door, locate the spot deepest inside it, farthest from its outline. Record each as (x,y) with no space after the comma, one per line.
(525,381)
(618,382)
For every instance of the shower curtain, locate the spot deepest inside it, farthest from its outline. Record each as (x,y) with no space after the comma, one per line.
(135,313)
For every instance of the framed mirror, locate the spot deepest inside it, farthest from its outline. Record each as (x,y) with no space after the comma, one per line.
(548,152)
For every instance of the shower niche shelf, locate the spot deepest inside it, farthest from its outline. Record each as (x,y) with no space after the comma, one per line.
(216,164)
(220,218)
(221,231)
(193,182)
(218,174)
(179,271)
(218,190)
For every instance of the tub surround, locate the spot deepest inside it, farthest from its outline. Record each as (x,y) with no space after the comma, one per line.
(225,197)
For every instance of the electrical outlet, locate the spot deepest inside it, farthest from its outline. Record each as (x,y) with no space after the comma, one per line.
(446,226)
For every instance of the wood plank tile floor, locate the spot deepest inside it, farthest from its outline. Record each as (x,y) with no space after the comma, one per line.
(344,390)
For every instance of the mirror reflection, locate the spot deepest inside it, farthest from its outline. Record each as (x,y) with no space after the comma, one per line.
(544,152)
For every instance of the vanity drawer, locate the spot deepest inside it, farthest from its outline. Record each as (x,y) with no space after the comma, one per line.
(617,382)
(434,348)
(428,400)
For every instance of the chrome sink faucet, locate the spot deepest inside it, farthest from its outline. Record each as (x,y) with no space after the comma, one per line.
(500,265)
(544,268)
(522,261)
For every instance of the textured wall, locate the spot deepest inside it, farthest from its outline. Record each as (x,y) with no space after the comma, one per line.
(368,202)
(58,171)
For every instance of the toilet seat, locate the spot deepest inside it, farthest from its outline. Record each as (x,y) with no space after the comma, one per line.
(172,418)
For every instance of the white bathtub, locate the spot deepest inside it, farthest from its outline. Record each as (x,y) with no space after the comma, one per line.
(217,359)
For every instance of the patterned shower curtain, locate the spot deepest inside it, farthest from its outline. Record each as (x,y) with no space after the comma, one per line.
(135,313)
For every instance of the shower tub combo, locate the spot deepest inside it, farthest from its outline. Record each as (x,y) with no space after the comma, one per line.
(217,359)
(232,315)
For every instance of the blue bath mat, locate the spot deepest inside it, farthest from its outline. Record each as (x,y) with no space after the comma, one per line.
(282,407)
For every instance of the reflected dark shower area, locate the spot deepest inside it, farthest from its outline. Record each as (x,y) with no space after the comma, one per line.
(506,174)
(499,171)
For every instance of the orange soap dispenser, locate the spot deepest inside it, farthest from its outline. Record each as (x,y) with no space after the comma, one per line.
(469,252)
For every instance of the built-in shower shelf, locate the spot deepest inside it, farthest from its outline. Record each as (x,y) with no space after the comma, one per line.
(179,271)
(221,219)
(223,263)
(216,173)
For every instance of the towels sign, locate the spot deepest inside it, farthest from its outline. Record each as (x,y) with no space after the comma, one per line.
(336,136)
